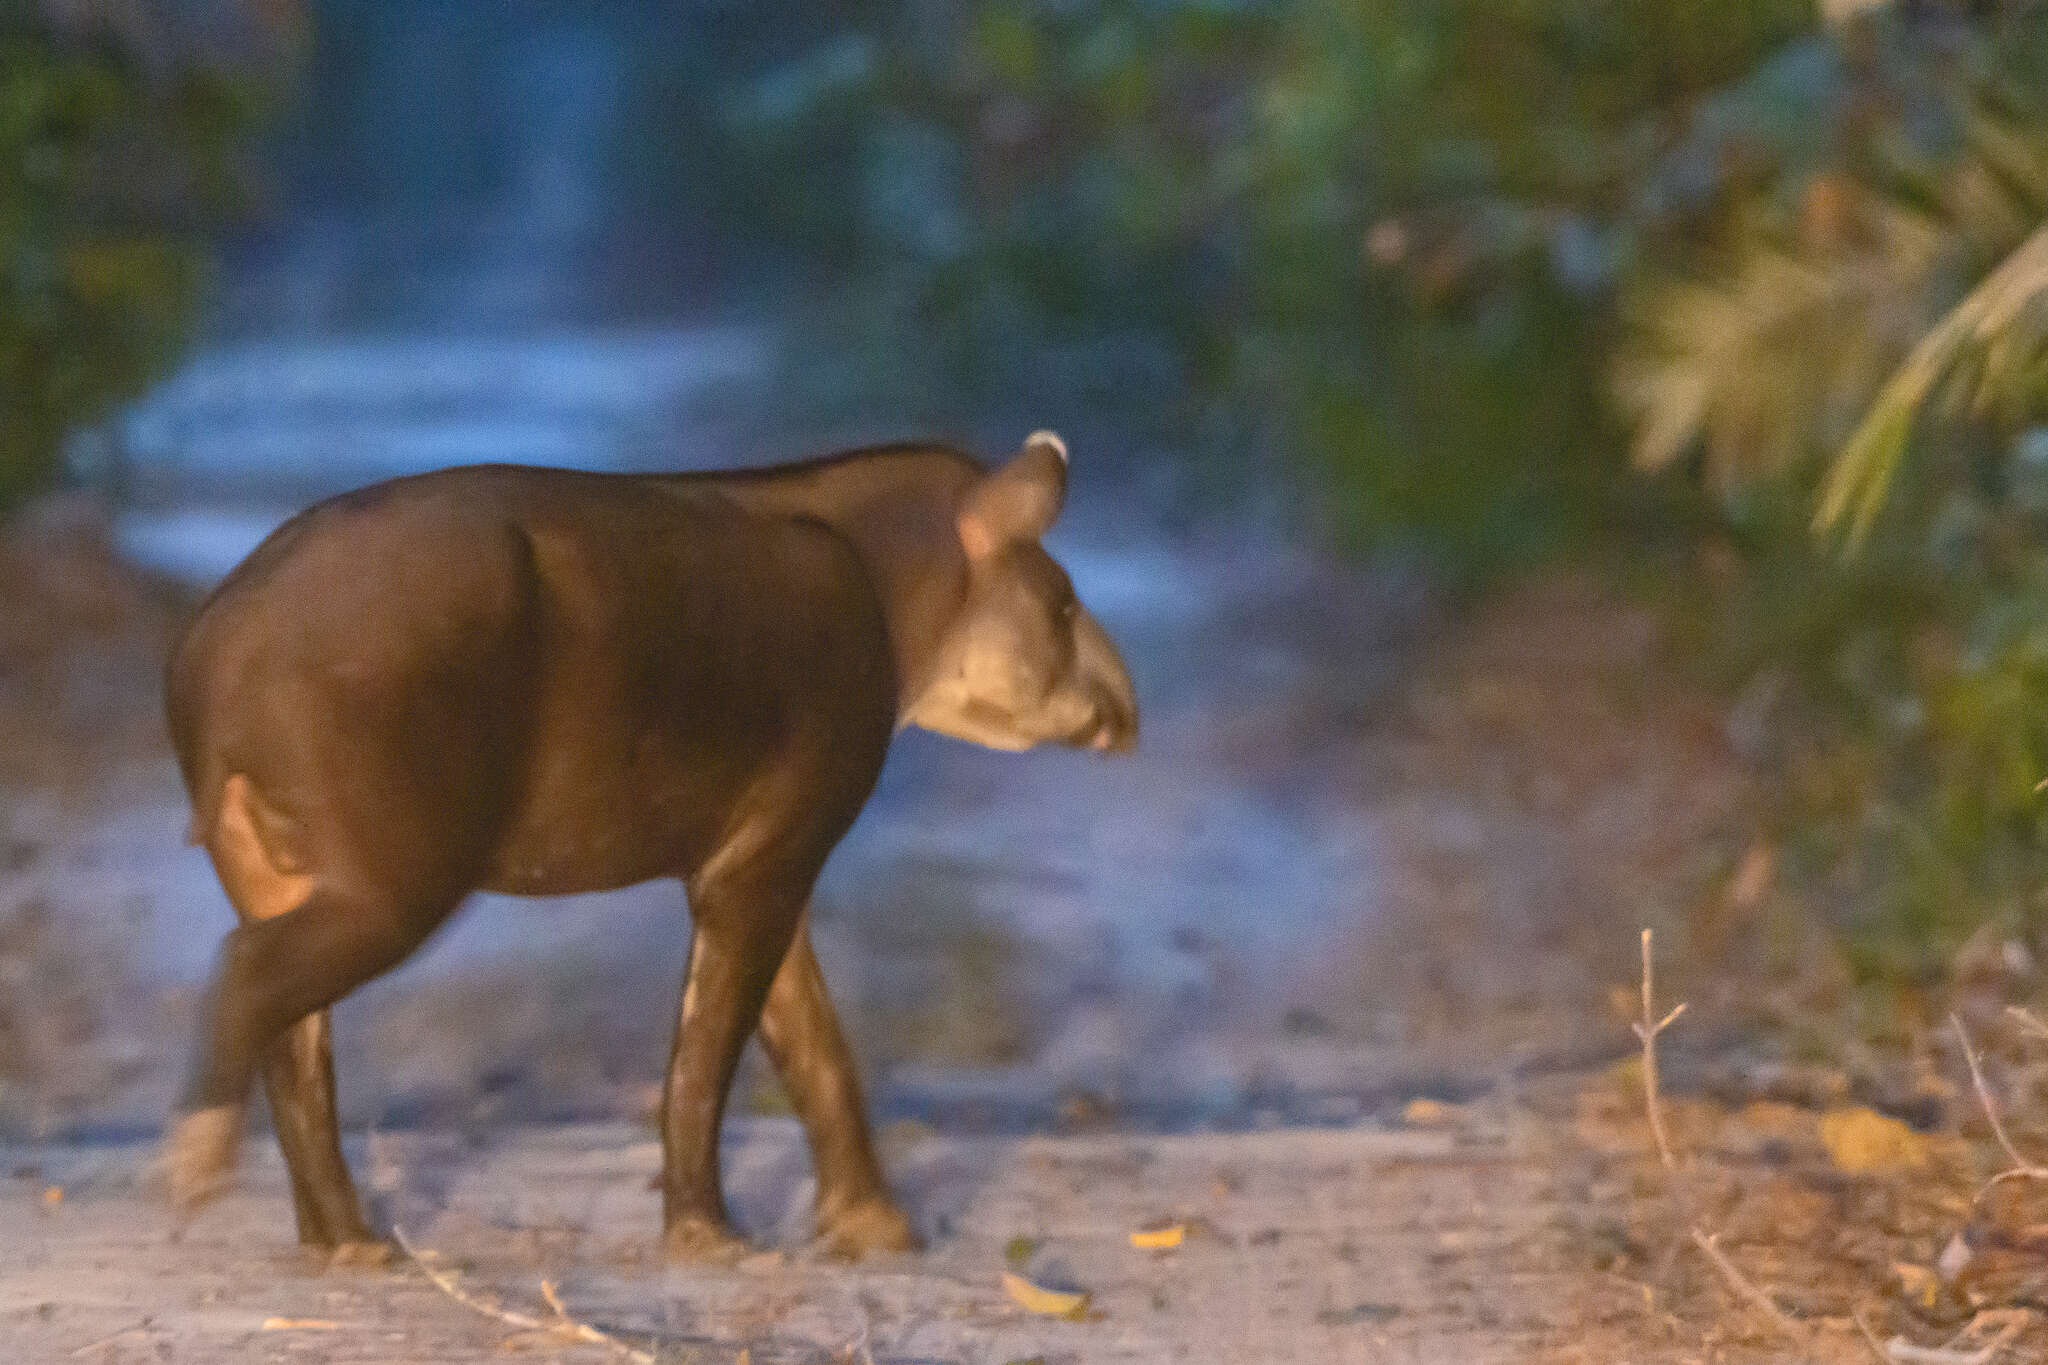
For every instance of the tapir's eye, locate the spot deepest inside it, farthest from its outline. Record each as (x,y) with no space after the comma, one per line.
(1070,608)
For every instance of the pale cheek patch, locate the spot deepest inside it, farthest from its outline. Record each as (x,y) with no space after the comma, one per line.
(251,875)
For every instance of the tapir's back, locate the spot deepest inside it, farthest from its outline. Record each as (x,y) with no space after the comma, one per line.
(583,672)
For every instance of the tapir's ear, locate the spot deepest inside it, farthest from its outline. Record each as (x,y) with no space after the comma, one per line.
(1019,501)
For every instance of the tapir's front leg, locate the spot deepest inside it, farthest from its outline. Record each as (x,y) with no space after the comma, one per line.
(801,1033)
(741,928)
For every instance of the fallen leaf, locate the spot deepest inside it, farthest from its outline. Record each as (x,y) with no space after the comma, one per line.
(1018,1250)
(1160,1238)
(1426,1113)
(1054,1303)
(1917,1283)
(1862,1141)
(300,1325)
(53,1195)
(1753,876)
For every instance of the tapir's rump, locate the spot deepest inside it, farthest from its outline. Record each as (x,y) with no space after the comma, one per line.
(544,681)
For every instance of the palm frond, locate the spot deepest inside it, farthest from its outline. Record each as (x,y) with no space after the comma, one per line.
(1999,333)
(1758,368)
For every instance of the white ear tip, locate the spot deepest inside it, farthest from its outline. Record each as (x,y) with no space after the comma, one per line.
(1050,439)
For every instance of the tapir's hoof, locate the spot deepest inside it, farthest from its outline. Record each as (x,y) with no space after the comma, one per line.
(703,1241)
(365,1255)
(199,1156)
(871,1225)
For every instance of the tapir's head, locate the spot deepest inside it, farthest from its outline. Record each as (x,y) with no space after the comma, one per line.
(1022,662)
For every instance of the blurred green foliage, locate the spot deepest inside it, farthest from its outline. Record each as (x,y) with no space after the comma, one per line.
(112,153)
(1379,239)
(1909,666)
(1456,261)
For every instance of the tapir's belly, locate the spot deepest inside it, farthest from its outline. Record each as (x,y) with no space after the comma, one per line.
(598,820)
(571,858)
(611,794)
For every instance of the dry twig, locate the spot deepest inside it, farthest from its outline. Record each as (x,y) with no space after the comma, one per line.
(2010,1323)
(2028,1021)
(2021,1168)
(1648,1032)
(447,1285)
(578,1330)
(563,1325)
(1647,1028)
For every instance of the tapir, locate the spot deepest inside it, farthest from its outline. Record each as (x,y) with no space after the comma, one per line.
(544,681)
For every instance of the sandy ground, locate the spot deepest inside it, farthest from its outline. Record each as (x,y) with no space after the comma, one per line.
(1331,1245)
(1532,1228)
(1368,853)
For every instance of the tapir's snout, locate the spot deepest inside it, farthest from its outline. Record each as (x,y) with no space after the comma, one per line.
(1114,728)
(1116,732)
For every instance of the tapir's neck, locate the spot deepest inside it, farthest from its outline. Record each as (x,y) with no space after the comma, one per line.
(899,508)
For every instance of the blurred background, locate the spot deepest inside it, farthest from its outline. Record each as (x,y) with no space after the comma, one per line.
(1554,466)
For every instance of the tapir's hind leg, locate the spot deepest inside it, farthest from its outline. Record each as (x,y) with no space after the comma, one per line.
(298,1075)
(298,1070)
(801,1032)
(272,974)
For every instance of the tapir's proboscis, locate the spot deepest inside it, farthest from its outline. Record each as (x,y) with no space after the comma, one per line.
(545,681)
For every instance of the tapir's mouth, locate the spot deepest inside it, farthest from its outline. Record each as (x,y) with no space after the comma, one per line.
(1113,729)
(1109,726)
(1108,739)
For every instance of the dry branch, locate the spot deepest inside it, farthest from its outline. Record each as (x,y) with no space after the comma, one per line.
(1647,1028)
(2021,1167)
(562,1325)
(1648,1032)
(2010,1323)
(447,1285)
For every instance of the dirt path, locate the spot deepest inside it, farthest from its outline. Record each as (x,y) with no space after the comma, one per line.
(1309,901)
(1322,1245)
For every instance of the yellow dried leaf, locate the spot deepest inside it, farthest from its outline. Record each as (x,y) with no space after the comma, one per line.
(1425,1113)
(1862,1141)
(1054,1303)
(53,1195)
(1753,877)
(1919,1284)
(300,1325)
(1160,1238)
